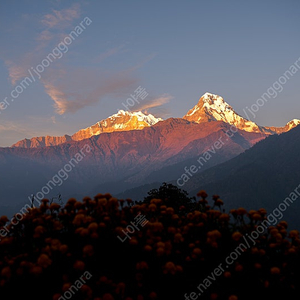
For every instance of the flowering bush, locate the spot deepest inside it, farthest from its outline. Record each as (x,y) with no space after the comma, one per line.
(169,256)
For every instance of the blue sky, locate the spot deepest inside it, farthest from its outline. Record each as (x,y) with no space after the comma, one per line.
(176,50)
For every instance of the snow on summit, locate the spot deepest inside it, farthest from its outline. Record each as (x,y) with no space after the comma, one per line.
(212,107)
(148,118)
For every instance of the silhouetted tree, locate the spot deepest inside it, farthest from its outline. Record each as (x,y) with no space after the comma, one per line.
(172,196)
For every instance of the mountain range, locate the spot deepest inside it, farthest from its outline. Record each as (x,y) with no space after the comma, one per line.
(131,151)
(121,121)
(209,108)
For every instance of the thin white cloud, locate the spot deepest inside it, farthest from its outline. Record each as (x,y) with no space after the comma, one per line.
(108,53)
(61,18)
(54,24)
(76,89)
(15,71)
(153,103)
(14,127)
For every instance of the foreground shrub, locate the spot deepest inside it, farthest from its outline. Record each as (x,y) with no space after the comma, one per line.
(105,249)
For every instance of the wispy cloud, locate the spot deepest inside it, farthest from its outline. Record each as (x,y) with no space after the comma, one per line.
(54,25)
(15,71)
(61,18)
(13,131)
(153,103)
(143,62)
(108,53)
(14,127)
(76,89)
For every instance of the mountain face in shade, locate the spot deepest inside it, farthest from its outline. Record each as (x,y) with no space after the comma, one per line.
(118,160)
(263,176)
(122,121)
(213,108)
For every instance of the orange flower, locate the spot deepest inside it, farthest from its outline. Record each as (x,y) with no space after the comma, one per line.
(233,297)
(152,296)
(179,268)
(224,217)
(93,227)
(275,271)
(160,245)
(178,238)
(236,236)
(39,230)
(36,270)
(170,268)
(214,234)
(88,250)
(133,241)
(256,217)
(202,194)
(3,220)
(57,225)
(55,244)
(148,248)
(214,213)
(170,210)
(262,252)
(66,287)
(142,265)
(292,251)
(197,251)
(71,201)
(87,290)
(6,272)
(79,265)
(84,232)
(239,268)
(120,288)
(294,234)
(44,261)
(78,220)
(283,224)
(257,266)
(63,248)
(172,230)
(54,206)
(219,202)
(241,211)
(233,212)
(152,207)
(262,211)
(160,251)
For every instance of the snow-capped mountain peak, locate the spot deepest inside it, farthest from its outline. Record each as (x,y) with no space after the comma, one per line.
(148,118)
(293,123)
(212,107)
(121,121)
